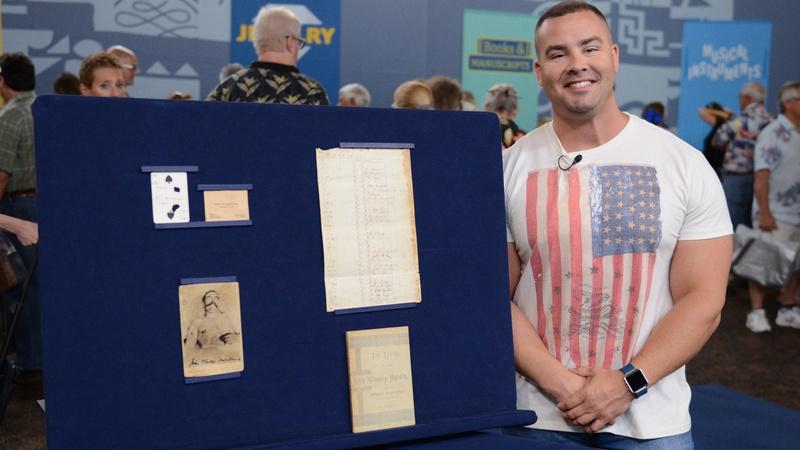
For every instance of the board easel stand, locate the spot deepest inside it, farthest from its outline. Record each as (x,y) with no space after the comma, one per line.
(112,355)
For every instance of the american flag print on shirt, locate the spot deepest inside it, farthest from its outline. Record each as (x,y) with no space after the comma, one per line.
(593,233)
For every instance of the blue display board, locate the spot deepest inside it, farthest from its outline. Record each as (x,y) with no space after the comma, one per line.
(320,28)
(718,58)
(109,280)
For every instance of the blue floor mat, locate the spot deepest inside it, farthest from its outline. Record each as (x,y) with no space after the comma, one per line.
(726,419)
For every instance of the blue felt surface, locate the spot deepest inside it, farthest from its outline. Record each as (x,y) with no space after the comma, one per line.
(726,419)
(113,371)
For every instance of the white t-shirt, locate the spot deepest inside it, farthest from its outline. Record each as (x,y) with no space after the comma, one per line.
(595,244)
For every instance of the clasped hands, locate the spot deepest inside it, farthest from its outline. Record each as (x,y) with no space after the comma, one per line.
(601,398)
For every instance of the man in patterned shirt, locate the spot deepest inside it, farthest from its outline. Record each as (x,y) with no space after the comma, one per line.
(274,78)
(18,190)
(738,136)
(776,208)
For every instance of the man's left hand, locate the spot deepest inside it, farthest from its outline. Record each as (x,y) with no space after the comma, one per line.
(604,397)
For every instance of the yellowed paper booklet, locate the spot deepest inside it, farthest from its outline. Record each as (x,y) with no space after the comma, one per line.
(369,232)
(381,391)
(211,329)
(226,205)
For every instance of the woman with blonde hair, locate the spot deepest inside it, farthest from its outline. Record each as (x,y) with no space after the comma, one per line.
(413,94)
(101,76)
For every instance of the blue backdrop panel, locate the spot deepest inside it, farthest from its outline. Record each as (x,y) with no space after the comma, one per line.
(718,58)
(113,367)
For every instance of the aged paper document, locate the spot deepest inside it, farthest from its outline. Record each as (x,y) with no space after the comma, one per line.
(381,392)
(211,329)
(369,233)
(226,205)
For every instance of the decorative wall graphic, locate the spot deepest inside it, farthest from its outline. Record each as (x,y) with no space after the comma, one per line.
(189,19)
(59,34)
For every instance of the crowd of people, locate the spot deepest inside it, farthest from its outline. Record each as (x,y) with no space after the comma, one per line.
(654,218)
(757,157)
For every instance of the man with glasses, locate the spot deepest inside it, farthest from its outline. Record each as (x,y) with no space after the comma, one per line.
(738,137)
(776,208)
(127,59)
(274,77)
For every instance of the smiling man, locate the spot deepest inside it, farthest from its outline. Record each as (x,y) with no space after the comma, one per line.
(618,249)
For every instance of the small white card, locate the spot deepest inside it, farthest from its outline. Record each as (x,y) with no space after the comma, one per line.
(170,192)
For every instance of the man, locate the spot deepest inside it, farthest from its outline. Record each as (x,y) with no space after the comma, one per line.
(18,192)
(127,59)
(354,94)
(776,208)
(738,136)
(611,224)
(274,78)
(214,329)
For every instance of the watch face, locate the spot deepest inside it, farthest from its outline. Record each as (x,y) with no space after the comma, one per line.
(636,380)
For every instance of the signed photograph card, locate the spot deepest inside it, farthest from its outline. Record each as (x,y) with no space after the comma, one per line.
(170,193)
(381,391)
(226,205)
(211,329)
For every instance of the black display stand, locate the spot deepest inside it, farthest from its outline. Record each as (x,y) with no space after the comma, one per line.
(109,278)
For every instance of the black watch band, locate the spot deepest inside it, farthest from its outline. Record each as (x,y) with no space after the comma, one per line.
(635,380)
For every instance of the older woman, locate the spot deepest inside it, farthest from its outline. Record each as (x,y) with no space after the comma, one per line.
(413,94)
(502,99)
(101,76)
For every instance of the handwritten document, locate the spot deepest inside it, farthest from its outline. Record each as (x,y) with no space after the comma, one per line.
(381,389)
(369,233)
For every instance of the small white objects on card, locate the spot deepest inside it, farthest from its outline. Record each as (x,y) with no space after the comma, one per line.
(170,191)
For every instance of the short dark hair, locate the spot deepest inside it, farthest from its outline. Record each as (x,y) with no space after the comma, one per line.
(446,93)
(67,83)
(568,7)
(18,72)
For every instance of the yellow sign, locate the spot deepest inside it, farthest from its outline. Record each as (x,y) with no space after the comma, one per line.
(314,35)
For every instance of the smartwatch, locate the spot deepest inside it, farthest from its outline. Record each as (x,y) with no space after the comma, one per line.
(635,380)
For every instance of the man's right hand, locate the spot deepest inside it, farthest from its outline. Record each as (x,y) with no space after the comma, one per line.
(767,222)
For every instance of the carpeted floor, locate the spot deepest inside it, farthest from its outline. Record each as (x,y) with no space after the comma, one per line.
(763,365)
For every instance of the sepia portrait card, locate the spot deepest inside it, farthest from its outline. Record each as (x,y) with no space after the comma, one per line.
(369,231)
(226,205)
(381,391)
(170,194)
(211,329)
